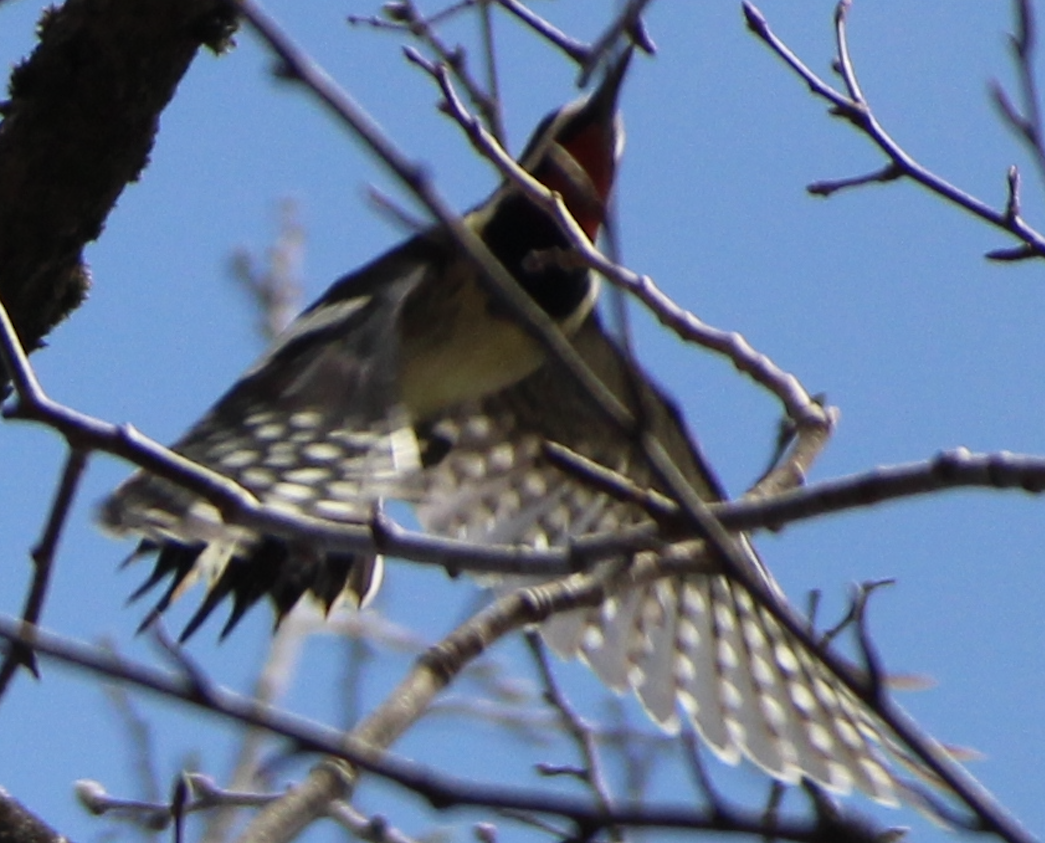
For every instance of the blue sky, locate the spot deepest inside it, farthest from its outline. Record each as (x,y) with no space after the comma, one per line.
(880,298)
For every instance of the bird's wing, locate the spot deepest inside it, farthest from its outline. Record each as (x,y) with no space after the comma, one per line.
(701,643)
(315,428)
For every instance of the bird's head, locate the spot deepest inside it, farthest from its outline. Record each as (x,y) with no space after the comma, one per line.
(574,150)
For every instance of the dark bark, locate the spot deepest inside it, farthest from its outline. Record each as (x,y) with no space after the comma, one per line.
(78,127)
(19,825)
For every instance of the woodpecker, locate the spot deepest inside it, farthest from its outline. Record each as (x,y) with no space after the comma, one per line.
(406,380)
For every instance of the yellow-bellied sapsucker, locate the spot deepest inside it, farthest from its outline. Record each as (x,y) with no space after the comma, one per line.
(405,380)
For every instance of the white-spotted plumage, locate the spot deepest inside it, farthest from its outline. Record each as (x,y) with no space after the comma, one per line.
(406,380)
(701,645)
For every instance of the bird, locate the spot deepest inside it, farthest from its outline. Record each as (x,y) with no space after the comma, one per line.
(406,380)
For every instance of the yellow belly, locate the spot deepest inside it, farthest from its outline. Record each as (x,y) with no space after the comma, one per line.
(455,350)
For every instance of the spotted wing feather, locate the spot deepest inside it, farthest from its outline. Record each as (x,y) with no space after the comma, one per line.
(700,644)
(315,428)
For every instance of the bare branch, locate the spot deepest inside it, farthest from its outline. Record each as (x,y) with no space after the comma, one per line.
(43,563)
(958,468)
(410,19)
(888,173)
(79,125)
(1025,120)
(576,50)
(591,773)
(855,109)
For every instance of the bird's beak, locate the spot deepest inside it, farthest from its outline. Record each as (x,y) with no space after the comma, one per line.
(603,101)
(593,140)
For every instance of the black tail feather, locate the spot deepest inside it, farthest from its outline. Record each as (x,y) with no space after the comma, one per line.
(144,548)
(332,576)
(275,568)
(174,558)
(255,576)
(215,596)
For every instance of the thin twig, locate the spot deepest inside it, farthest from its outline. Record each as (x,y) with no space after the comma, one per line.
(43,564)
(192,793)
(454,58)
(275,287)
(619,487)
(1026,120)
(627,24)
(855,109)
(576,50)
(140,754)
(695,765)
(494,112)
(591,773)
(398,13)
(954,469)
(269,686)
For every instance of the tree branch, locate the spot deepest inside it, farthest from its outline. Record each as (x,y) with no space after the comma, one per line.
(854,108)
(78,127)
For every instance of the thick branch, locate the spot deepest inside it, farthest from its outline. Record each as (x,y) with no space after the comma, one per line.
(18,825)
(77,129)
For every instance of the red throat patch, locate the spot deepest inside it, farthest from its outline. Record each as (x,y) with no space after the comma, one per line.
(587,202)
